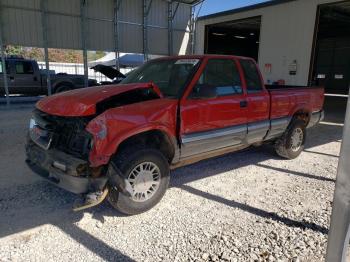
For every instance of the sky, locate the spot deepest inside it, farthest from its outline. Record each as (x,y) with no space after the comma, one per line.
(214,6)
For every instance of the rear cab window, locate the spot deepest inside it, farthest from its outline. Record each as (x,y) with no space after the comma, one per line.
(252,76)
(221,76)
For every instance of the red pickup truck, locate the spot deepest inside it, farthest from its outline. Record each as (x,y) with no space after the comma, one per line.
(123,139)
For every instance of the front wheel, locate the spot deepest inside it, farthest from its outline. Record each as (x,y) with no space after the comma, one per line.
(291,144)
(147,171)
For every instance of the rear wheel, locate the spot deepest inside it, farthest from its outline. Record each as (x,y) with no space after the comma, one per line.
(147,171)
(291,144)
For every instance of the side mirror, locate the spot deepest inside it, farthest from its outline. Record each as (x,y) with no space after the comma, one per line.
(203,92)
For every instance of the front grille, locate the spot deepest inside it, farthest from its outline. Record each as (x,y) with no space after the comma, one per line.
(68,133)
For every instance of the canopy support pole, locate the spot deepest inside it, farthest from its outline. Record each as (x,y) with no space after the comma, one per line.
(43,8)
(3,63)
(83,4)
(171,15)
(170,28)
(147,4)
(117,4)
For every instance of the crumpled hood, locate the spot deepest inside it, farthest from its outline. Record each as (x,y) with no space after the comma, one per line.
(82,102)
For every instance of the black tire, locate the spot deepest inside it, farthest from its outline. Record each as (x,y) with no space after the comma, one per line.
(284,145)
(126,161)
(63,88)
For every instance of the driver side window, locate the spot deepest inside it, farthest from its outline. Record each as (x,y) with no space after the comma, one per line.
(219,78)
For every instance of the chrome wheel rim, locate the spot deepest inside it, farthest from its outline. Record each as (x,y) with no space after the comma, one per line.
(297,139)
(144,180)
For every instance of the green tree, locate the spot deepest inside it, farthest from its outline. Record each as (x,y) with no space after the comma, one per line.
(35,53)
(55,55)
(14,50)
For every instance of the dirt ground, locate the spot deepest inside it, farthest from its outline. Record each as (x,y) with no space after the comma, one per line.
(245,206)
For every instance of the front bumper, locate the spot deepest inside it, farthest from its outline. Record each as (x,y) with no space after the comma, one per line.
(62,170)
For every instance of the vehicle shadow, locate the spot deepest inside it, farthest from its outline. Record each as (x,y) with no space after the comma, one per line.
(296,173)
(323,134)
(182,177)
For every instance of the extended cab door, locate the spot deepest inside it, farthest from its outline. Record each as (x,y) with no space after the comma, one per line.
(258,101)
(25,78)
(213,115)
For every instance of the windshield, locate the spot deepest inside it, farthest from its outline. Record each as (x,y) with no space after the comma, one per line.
(170,75)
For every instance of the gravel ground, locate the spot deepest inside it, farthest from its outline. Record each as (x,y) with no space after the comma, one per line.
(246,206)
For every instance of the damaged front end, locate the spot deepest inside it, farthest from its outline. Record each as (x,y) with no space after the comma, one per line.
(58,148)
(62,149)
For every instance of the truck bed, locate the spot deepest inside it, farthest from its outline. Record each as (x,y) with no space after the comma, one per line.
(285,100)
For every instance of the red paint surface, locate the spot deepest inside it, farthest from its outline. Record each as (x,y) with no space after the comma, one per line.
(288,102)
(258,103)
(123,122)
(206,114)
(82,102)
(115,125)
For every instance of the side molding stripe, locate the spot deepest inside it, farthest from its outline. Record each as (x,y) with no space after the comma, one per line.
(213,134)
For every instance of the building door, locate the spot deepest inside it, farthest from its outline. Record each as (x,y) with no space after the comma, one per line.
(333,65)
(238,37)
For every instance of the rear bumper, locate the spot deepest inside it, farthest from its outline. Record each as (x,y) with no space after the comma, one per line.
(316,117)
(61,170)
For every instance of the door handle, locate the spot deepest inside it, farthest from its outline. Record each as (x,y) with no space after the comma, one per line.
(243,103)
(12,78)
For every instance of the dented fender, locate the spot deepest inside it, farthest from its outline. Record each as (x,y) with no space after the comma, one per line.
(115,125)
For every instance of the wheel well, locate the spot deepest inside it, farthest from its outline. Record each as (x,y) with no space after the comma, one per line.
(152,139)
(302,115)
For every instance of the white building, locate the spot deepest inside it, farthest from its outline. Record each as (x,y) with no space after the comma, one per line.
(298,41)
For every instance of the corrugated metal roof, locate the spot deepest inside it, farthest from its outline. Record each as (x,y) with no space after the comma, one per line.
(246,8)
(22,24)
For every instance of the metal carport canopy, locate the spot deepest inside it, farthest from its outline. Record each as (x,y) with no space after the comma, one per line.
(128,26)
(157,27)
